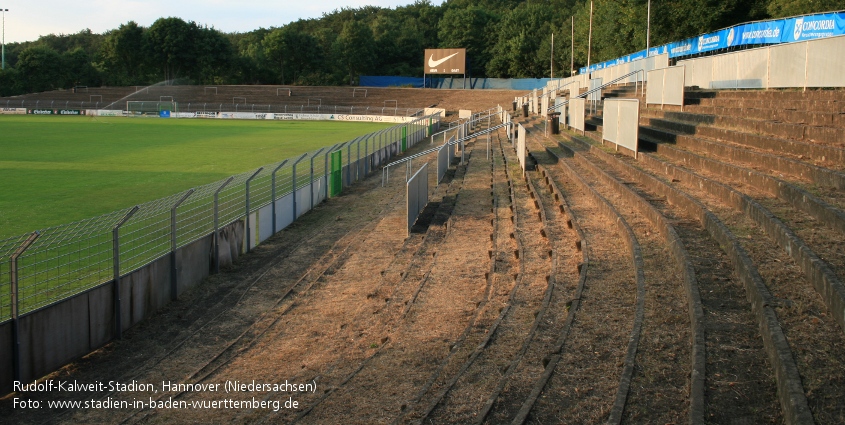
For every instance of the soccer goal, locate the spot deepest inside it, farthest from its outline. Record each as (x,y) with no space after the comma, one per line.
(149,107)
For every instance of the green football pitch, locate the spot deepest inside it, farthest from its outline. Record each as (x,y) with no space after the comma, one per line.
(56,170)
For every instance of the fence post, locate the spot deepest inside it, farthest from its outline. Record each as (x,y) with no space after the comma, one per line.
(294,183)
(312,176)
(273,193)
(173,269)
(13,289)
(349,160)
(115,237)
(248,230)
(366,156)
(326,167)
(216,224)
(358,162)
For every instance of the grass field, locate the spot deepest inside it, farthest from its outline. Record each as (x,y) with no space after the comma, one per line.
(56,170)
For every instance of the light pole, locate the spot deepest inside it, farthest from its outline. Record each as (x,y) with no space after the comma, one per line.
(3,60)
(648,29)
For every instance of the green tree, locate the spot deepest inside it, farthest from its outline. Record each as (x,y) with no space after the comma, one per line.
(39,69)
(122,56)
(354,50)
(472,28)
(783,8)
(170,46)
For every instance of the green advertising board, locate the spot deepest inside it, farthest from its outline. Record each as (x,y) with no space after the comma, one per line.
(404,139)
(336,177)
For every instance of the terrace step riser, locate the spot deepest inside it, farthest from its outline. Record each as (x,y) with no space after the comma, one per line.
(738,122)
(816,152)
(797,105)
(816,118)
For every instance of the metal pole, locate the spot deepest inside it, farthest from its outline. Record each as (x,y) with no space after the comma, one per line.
(13,289)
(326,167)
(552,59)
(572,54)
(294,183)
(174,271)
(273,192)
(648,29)
(312,176)
(115,237)
(590,38)
(216,224)
(4,38)
(248,230)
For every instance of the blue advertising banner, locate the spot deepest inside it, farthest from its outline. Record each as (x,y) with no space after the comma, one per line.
(768,32)
(813,27)
(164,114)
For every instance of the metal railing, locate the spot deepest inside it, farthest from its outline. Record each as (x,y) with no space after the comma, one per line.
(66,260)
(599,88)
(408,161)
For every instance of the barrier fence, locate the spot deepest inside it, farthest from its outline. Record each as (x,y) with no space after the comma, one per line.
(803,64)
(621,123)
(198,109)
(63,283)
(666,86)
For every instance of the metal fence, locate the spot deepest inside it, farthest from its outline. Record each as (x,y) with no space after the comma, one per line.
(66,260)
(155,106)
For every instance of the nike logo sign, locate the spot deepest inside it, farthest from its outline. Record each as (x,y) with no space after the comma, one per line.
(434,63)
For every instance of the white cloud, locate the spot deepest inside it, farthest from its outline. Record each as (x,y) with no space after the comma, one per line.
(27,19)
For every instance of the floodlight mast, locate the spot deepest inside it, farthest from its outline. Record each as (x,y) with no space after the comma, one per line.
(3,60)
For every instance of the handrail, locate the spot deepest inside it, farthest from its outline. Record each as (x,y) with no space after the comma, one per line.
(435,149)
(552,108)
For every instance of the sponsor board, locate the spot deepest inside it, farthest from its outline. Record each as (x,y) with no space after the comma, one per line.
(244,116)
(12,111)
(55,112)
(813,27)
(445,61)
(105,112)
(202,114)
(343,117)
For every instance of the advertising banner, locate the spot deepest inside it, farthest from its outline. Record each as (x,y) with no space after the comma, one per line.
(768,32)
(12,111)
(813,27)
(55,112)
(343,117)
(445,61)
(105,112)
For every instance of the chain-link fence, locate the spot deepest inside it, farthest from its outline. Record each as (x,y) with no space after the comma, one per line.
(66,260)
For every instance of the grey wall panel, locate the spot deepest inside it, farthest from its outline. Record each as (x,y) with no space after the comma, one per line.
(53,336)
(265,223)
(824,67)
(577,108)
(7,374)
(284,211)
(303,200)
(193,263)
(150,289)
(787,63)
(231,242)
(654,90)
(610,121)
(673,86)
(319,190)
(100,315)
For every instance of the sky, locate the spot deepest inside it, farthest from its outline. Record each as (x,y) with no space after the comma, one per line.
(26,20)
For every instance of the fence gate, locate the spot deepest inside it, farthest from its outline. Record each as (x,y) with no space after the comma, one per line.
(337,168)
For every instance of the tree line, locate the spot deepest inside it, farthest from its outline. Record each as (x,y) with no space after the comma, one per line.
(503,38)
